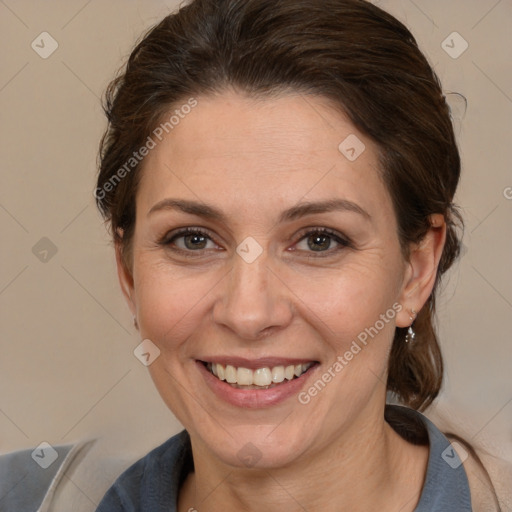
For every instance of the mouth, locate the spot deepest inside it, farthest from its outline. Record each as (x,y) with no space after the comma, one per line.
(265,377)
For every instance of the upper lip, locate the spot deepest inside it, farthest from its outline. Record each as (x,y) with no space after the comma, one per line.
(253,364)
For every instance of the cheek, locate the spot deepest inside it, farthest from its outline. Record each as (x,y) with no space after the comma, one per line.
(346,301)
(337,303)
(171,306)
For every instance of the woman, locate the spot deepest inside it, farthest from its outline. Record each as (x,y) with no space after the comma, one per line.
(279,178)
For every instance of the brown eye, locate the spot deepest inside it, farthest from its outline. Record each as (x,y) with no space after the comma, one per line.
(189,240)
(319,242)
(322,240)
(195,241)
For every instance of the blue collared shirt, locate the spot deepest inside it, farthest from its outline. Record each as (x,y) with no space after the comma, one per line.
(152,484)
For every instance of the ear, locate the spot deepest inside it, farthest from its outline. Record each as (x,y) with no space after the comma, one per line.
(421,271)
(125,279)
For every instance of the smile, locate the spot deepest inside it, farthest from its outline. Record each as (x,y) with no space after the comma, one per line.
(259,378)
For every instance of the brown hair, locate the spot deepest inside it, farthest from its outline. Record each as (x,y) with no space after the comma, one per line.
(348,51)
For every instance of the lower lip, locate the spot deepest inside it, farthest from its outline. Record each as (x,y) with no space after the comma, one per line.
(254,398)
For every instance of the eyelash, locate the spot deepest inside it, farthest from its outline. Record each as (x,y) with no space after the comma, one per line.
(169,238)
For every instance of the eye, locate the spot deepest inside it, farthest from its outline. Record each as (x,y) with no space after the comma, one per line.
(190,239)
(317,240)
(321,240)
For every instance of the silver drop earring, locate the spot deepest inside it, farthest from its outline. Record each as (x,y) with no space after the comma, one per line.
(409,337)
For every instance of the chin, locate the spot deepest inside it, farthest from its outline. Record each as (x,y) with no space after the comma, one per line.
(258,446)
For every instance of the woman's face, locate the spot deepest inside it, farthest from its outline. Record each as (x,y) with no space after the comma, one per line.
(292,257)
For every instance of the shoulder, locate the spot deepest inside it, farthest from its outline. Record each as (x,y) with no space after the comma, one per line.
(474,475)
(446,484)
(485,460)
(490,478)
(151,483)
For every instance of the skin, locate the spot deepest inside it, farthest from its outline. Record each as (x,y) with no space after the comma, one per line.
(251,160)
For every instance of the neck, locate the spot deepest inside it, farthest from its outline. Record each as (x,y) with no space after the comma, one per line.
(367,467)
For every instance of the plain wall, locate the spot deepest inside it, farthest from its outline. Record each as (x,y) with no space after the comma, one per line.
(66,362)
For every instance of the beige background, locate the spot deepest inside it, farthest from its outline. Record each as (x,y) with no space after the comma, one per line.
(66,362)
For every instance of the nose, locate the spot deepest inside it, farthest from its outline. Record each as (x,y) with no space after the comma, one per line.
(253,302)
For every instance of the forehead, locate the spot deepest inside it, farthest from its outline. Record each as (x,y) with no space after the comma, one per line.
(234,148)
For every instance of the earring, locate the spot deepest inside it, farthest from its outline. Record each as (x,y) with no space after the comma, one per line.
(135,324)
(409,337)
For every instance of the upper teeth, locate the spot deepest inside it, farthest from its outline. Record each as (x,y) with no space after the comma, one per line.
(259,377)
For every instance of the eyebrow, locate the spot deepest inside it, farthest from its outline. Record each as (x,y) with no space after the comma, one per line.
(295,212)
